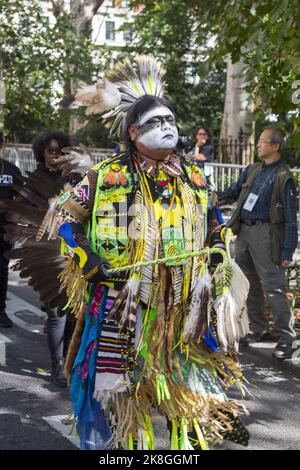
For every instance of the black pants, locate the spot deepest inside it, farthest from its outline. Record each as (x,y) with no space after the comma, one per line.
(4,246)
(60,329)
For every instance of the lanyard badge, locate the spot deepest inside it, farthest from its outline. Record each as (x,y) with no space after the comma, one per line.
(250,202)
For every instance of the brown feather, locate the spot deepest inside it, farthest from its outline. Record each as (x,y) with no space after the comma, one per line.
(23,213)
(29,195)
(75,342)
(19,233)
(47,221)
(42,184)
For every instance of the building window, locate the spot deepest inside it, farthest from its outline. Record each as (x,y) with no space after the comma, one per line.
(110,30)
(127,35)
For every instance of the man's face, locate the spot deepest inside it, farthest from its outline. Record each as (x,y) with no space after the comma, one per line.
(51,153)
(264,147)
(155,130)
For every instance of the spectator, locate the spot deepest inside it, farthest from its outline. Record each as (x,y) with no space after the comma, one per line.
(8,176)
(47,148)
(203,150)
(265,222)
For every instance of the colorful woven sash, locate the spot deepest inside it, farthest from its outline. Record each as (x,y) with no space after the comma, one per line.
(114,355)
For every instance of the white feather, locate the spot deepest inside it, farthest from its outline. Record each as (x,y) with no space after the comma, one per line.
(227,322)
(132,288)
(231,323)
(98,98)
(75,160)
(219,307)
(239,290)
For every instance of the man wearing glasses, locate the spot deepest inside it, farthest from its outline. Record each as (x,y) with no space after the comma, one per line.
(265,221)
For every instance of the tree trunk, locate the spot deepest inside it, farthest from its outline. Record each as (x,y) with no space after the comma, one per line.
(238,124)
(82,13)
(2,94)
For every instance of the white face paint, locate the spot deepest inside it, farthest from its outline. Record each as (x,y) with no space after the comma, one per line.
(156,129)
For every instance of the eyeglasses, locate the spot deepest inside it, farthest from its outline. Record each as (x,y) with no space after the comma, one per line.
(53,150)
(261,141)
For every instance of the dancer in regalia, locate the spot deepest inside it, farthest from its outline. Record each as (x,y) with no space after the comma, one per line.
(160,305)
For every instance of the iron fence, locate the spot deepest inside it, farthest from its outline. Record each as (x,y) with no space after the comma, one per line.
(240,150)
(223,174)
(22,156)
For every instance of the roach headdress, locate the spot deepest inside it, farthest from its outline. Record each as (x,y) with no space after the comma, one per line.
(121,87)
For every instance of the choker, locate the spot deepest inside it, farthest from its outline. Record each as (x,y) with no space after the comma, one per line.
(171,167)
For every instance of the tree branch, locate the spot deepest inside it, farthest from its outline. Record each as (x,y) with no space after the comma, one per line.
(58,7)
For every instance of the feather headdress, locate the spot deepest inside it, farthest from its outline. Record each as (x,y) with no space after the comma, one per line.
(121,87)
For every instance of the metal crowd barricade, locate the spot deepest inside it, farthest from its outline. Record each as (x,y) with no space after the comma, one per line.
(224,173)
(22,156)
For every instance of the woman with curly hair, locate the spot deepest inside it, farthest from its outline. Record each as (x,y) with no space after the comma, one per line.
(47,147)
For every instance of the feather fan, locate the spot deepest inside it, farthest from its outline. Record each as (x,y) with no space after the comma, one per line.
(39,262)
(77,160)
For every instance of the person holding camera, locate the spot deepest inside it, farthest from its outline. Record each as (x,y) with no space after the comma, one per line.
(203,150)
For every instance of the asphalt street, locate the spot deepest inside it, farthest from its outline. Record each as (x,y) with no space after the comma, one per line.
(27,395)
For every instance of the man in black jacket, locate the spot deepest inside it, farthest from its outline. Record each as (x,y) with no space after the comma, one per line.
(9,174)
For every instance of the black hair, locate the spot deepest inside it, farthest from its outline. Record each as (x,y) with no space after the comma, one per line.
(42,140)
(207,130)
(276,135)
(143,104)
(1,139)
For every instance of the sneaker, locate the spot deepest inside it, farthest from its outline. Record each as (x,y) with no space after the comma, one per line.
(263,337)
(267,337)
(58,375)
(5,322)
(283,351)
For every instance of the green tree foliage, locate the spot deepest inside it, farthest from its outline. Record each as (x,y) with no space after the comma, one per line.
(38,60)
(194,36)
(170,30)
(267,35)
(191,37)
